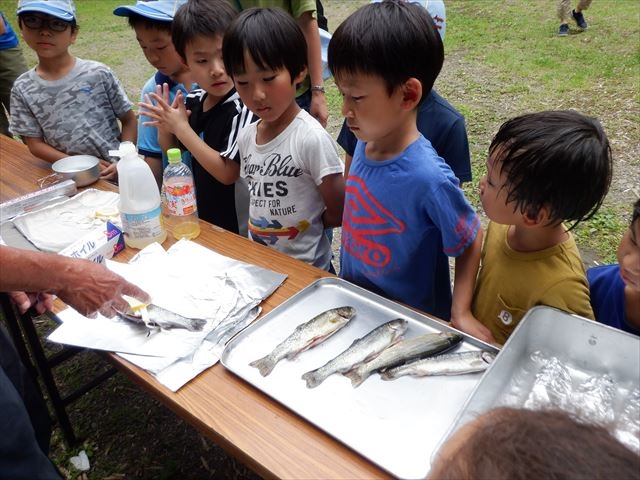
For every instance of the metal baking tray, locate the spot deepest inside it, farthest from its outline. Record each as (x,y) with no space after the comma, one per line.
(395,424)
(586,348)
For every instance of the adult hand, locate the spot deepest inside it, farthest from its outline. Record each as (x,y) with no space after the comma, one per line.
(94,288)
(41,302)
(318,108)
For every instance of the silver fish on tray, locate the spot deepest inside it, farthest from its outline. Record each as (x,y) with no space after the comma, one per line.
(305,336)
(154,317)
(458,363)
(361,350)
(405,351)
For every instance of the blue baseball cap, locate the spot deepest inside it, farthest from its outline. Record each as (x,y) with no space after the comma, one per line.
(161,10)
(61,9)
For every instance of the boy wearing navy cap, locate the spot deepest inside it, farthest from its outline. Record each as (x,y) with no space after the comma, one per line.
(66,105)
(152,21)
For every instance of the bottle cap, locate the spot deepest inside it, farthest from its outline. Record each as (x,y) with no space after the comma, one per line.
(174,155)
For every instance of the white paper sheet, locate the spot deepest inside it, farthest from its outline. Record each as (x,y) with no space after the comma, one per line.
(192,281)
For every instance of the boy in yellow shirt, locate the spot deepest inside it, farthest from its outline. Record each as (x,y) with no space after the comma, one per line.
(543,169)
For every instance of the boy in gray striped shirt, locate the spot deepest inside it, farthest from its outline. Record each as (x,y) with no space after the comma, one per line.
(66,105)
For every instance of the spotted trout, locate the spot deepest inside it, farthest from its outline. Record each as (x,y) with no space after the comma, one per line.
(361,350)
(305,336)
(405,351)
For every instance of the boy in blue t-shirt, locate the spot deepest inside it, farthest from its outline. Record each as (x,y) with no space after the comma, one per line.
(151,22)
(437,119)
(216,114)
(615,289)
(404,211)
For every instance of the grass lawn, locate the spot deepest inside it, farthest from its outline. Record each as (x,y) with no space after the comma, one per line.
(503,58)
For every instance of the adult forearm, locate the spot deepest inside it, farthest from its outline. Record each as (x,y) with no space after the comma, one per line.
(31,271)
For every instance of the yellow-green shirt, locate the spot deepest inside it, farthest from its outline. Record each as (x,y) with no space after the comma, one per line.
(294,7)
(510,283)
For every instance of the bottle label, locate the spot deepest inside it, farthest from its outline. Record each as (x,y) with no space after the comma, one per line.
(142,225)
(180,199)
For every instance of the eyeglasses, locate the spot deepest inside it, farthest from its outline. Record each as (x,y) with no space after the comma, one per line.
(35,22)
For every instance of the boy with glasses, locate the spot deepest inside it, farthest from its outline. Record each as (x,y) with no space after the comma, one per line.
(66,105)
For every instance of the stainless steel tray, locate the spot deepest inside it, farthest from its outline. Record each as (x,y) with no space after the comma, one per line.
(395,424)
(585,347)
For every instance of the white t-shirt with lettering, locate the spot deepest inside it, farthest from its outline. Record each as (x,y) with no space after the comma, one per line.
(283,175)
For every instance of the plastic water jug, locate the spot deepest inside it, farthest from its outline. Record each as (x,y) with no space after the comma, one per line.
(139,200)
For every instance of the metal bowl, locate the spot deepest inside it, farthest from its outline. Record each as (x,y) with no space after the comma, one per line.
(82,169)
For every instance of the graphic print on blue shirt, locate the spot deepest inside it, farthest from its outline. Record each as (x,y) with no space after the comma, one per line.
(369,219)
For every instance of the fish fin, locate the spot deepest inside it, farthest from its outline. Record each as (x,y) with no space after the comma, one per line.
(387,375)
(264,365)
(356,377)
(313,378)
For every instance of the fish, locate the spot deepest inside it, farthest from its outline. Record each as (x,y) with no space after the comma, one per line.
(361,350)
(457,363)
(155,317)
(305,336)
(404,351)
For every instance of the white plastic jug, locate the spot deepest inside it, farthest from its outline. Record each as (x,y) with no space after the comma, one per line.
(139,200)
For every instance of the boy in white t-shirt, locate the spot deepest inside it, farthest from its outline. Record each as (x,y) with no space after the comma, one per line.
(291,164)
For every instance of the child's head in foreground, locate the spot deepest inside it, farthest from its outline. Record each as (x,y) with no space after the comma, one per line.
(151,21)
(197,32)
(522,444)
(392,40)
(551,167)
(629,252)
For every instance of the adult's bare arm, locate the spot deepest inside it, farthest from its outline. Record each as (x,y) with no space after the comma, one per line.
(309,27)
(86,286)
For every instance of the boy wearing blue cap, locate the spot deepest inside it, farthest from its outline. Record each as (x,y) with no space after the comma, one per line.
(152,21)
(66,105)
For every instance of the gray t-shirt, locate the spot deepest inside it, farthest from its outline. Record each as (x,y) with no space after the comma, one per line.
(77,114)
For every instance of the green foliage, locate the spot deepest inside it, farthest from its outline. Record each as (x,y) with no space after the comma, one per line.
(503,58)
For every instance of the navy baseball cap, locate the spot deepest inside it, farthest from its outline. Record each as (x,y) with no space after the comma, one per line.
(61,9)
(161,10)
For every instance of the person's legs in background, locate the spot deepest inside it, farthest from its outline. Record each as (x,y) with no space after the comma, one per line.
(565,12)
(12,65)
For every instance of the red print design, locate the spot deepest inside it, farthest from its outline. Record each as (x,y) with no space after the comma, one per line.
(365,217)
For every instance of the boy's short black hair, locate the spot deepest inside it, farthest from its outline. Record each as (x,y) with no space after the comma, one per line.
(394,40)
(196,18)
(560,160)
(136,20)
(271,36)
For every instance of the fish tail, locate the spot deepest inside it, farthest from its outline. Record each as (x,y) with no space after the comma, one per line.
(264,365)
(313,378)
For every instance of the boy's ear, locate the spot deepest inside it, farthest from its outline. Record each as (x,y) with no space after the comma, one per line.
(411,93)
(300,77)
(532,219)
